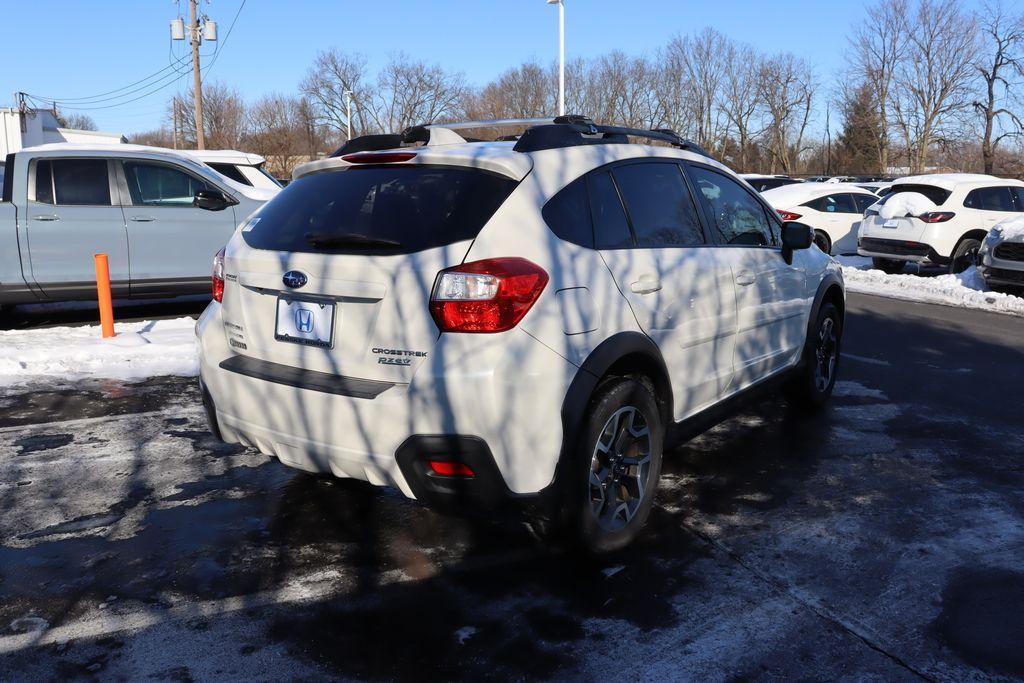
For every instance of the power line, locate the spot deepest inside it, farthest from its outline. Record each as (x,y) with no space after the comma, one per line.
(101,97)
(173,78)
(227,35)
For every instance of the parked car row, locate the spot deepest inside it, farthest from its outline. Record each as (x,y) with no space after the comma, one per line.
(954,221)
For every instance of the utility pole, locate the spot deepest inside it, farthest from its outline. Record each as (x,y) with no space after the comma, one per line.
(348,114)
(197,82)
(197,32)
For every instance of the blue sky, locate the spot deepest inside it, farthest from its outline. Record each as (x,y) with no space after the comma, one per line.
(87,48)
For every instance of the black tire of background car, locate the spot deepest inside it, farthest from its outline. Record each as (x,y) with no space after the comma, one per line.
(965,256)
(802,391)
(888,265)
(582,532)
(823,241)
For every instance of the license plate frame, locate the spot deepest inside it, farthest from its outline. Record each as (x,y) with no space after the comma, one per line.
(318,310)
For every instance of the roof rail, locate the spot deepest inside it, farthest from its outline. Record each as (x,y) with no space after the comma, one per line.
(540,134)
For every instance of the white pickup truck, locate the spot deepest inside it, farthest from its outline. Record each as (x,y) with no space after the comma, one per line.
(160,216)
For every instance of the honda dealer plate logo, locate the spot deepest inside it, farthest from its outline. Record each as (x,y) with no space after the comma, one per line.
(294,279)
(304,320)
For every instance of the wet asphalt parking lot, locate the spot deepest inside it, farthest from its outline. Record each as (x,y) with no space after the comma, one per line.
(883,538)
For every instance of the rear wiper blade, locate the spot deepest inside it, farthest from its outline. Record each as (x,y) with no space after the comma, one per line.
(328,240)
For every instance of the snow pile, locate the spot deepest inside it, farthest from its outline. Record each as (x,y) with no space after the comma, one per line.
(966,290)
(1011,228)
(905,204)
(140,350)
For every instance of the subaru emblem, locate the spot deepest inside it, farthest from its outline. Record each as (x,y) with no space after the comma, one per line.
(294,279)
(304,320)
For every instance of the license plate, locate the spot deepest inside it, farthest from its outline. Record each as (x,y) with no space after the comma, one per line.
(891,223)
(304,321)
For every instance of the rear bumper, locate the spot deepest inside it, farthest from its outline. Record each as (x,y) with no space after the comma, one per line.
(898,250)
(505,394)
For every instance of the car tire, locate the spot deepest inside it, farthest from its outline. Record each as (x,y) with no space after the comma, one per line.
(812,386)
(822,241)
(965,256)
(613,476)
(888,265)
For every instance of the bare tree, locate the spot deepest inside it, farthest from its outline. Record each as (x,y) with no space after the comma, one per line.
(999,61)
(695,76)
(78,122)
(526,91)
(411,92)
(933,81)
(786,87)
(224,117)
(740,98)
(879,47)
(332,74)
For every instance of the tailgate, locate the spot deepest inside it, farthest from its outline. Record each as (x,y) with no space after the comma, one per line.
(907,229)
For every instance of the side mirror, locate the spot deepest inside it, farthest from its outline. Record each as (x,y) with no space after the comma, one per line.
(212,200)
(795,236)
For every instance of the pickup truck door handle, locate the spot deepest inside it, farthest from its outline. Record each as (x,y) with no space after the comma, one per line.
(142,219)
(47,217)
(745,278)
(647,284)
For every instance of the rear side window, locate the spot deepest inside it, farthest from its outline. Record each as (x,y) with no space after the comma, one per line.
(611,229)
(739,218)
(863,201)
(990,199)
(230,171)
(568,214)
(833,203)
(1019,195)
(72,182)
(379,210)
(936,195)
(660,208)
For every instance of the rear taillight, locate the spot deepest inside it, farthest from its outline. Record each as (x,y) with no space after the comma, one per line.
(377,157)
(218,276)
(787,215)
(491,295)
(936,216)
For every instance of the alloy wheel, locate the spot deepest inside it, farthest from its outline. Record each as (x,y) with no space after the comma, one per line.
(620,468)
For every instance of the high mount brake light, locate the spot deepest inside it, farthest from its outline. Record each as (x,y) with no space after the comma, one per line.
(936,216)
(218,276)
(491,295)
(787,215)
(377,158)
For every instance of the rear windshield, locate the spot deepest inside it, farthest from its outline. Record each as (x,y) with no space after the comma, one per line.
(936,194)
(379,210)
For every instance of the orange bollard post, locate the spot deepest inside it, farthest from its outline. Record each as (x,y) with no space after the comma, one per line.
(103,295)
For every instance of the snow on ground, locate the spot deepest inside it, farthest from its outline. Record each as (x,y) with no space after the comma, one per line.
(139,350)
(966,290)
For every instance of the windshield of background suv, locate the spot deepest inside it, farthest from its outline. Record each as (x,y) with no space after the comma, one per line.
(379,210)
(936,195)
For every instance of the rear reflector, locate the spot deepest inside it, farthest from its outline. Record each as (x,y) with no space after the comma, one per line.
(491,295)
(378,158)
(448,468)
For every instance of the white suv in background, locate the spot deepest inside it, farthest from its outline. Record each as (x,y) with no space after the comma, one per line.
(477,324)
(242,167)
(832,210)
(937,219)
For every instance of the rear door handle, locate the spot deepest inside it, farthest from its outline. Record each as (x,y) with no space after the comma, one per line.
(647,284)
(46,218)
(142,219)
(745,278)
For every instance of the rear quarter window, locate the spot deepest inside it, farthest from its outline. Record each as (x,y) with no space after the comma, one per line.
(379,210)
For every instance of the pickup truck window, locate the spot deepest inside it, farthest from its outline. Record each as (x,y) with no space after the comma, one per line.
(72,182)
(152,184)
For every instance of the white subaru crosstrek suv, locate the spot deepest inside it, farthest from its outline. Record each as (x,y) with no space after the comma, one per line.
(527,321)
(938,219)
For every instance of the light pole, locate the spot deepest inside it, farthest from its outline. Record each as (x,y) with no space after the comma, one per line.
(348,113)
(561,54)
